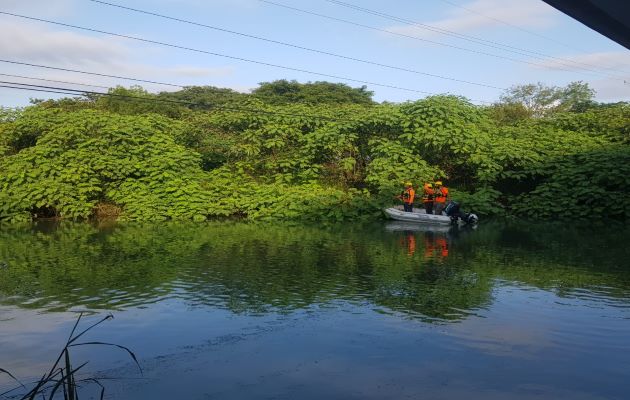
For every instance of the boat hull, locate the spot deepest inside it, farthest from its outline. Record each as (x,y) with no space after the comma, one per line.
(417,216)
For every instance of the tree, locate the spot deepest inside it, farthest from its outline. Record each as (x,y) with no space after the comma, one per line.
(204,96)
(541,100)
(286,92)
(135,100)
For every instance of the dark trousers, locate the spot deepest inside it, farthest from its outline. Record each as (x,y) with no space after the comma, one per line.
(428,207)
(408,207)
(438,208)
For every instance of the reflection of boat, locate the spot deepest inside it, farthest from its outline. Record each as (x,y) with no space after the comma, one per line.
(406,226)
(417,216)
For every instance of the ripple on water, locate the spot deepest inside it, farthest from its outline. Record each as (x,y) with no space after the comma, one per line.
(534,295)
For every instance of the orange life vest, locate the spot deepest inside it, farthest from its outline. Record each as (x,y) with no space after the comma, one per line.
(442,193)
(427,197)
(443,246)
(411,245)
(408,195)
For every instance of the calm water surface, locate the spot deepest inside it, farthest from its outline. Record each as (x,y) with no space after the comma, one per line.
(357,311)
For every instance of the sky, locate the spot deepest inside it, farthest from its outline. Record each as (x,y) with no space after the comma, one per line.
(472,48)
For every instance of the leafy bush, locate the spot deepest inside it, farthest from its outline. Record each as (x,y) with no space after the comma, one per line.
(232,154)
(82,158)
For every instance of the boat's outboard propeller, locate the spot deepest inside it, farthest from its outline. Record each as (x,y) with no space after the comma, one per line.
(471,218)
(453,211)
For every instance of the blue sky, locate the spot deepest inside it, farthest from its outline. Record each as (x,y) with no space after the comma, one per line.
(565,38)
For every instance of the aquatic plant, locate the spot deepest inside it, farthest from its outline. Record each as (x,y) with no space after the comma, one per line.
(62,377)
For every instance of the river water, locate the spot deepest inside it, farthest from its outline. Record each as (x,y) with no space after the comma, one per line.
(233,310)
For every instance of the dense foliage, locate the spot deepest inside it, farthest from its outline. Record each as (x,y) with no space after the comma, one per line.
(286,151)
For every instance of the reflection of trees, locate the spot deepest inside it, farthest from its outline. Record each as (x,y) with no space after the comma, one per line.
(257,268)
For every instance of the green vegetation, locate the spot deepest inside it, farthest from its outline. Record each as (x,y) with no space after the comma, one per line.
(63,379)
(311,151)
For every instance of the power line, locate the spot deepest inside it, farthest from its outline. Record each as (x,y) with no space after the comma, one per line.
(75,92)
(529,32)
(250,60)
(36,90)
(89,73)
(52,80)
(483,42)
(141,80)
(324,52)
(345,21)
(280,42)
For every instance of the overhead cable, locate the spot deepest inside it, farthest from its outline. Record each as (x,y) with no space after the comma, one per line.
(148,81)
(529,32)
(284,67)
(474,39)
(89,73)
(391,32)
(52,80)
(292,45)
(35,90)
(75,92)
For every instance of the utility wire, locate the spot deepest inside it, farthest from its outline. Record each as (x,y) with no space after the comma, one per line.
(52,80)
(324,52)
(345,21)
(89,73)
(141,80)
(253,61)
(75,92)
(36,90)
(478,40)
(529,32)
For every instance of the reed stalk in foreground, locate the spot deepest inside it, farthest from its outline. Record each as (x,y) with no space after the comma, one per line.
(61,379)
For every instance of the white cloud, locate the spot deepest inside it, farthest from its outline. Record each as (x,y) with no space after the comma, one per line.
(26,41)
(611,60)
(37,44)
(250,4)
(611,90)
(614,64)
(195,72)
(523,13)
(242,88)
(45,8)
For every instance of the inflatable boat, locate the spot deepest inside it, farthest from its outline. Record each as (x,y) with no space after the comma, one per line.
(418,215)
(452,216)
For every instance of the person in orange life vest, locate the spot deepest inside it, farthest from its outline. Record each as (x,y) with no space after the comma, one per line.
(409,242)
(441,197)
(429,245)
(427,197)
(442,245)
(407,197)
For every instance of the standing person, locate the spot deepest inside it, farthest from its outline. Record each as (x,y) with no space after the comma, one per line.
(427,197)
(441,197)
(407,197)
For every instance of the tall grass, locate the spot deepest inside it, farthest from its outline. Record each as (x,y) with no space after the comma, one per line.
(61,379)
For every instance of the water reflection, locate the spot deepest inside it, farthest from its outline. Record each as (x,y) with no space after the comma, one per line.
(431,273)
(232,310)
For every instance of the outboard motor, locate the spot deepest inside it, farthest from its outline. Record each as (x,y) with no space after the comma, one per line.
(470,218)
(452,209)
